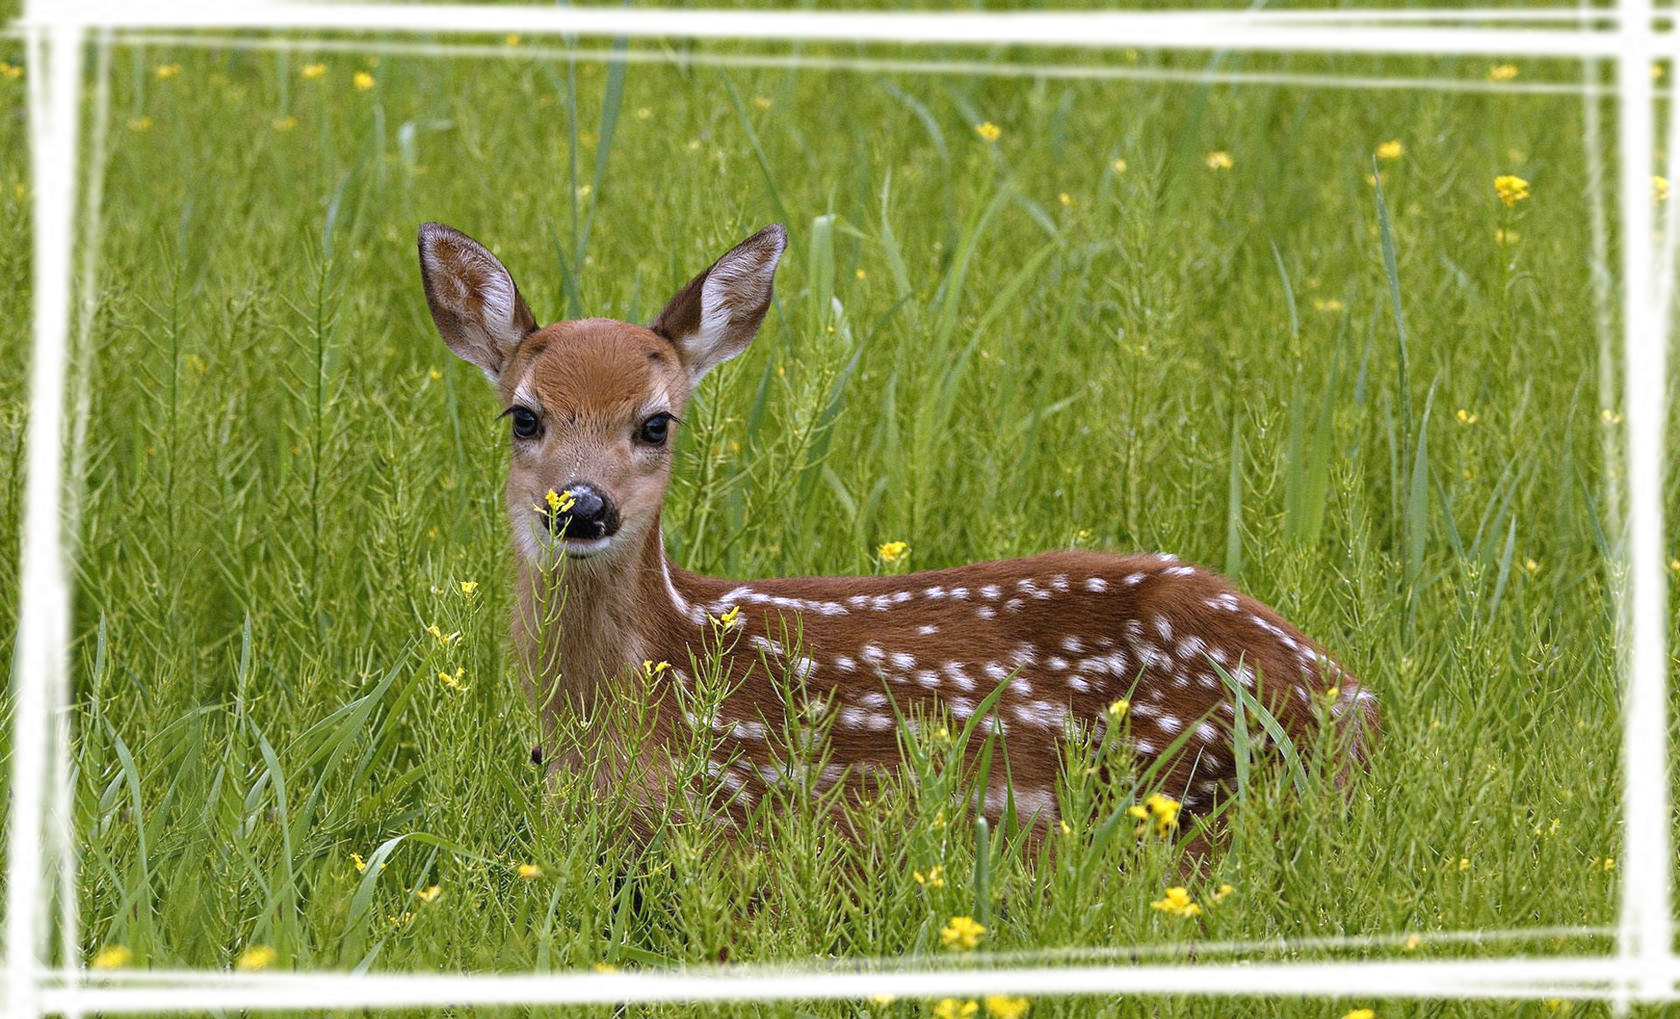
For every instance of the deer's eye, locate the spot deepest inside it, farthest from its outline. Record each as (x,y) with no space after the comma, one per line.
(525,423)
(655,430)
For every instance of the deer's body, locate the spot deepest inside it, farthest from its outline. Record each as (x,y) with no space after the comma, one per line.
(1064,634)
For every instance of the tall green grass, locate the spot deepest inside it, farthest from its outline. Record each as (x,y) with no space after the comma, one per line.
(1380,418)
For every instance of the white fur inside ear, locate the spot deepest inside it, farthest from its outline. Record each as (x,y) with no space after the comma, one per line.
(735,292)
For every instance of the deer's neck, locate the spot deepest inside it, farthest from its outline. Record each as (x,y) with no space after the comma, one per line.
(593,622)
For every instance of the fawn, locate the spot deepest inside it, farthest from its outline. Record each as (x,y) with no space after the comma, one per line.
(593,405)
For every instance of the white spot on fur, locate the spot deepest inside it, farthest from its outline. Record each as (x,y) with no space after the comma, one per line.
(1078,684)
(1178,571)
(902,661)
(1059,582)
(1096,585)
(1164,627)
(1014,604)
(927,678)
(991,592)
(986,612)
(934,592)
(926,629)
(1072,645)
(845,664)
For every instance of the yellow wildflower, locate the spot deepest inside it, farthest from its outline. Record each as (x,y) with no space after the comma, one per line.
(1502,72)
(429,894)
(1221,893)
(962,933)
(311,72)
(1005,1007)
(1466,417)
(1161,810)
(363,81)
(469,586)
(893,551)
(113,957)
(1118,166)
(443,639)
(167,71)
(951,1008)
(285,123)
(1659,189)
(256,957)
(988,132)
(1394,148)
(1531,565)
(1413,941)
(934,878)
(643,113)
(731,617)
(561,502)
(1117,709)
(512,39)
(361,864)
(1510,188)
(1220,160)
(1177,903)
(453,682)
(1065,198)
(1327,304)
(140,124)
(401,920)
(1361,1013)
(529,871)
(11,72)
(763,102)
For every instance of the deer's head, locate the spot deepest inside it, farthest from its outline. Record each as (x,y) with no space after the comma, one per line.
(592,405)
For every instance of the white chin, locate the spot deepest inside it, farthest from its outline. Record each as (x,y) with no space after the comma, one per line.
(583,549)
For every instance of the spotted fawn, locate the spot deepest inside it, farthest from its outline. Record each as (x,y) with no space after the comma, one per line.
(592,406)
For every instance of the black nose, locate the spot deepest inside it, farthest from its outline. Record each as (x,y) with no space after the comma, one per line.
(591,514)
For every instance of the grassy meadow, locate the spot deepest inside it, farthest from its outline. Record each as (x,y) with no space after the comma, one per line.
(1016,314)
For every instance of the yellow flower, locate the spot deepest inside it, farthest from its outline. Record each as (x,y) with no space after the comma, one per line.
(1118,166)
(140,124)
(962,933)
(256,957)
(1463,863)
(361,864)
(312,71)
(1361,1013)
(1466,417)
(1005,1007)
(1531,566)
(11,72)
(1391,149)
(951,1008)
(401,920)
(893,551)
(934,878)
(1163,810)
(167,71)
(1177,903)
(512,39)
(1117,709)
(561,503)
(1609,863)
(731,617)
(1220,160)
(429,894)
(453,682)
(529,871)
(988,132)
(113,957)
(1327,304)
(763,102)
(469,586)
(1501,72)
(1221,893)
(363,81)
(1413,941)
(443,639)
(1511,189)
(883,999)
(286,123)
(1659,189)
(1065,198)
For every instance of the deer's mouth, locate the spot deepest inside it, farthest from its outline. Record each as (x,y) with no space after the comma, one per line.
(583,548)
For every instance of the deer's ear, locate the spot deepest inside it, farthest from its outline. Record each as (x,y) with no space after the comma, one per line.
(716,315)
(474,302)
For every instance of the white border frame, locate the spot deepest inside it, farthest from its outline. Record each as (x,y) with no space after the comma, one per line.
(1644,969)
